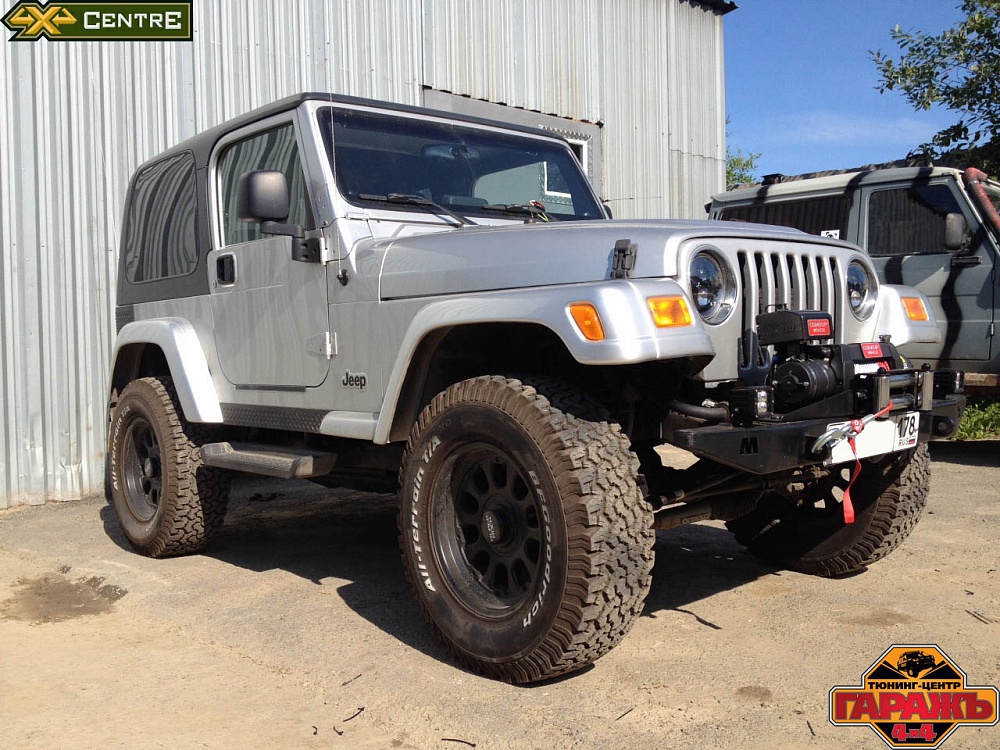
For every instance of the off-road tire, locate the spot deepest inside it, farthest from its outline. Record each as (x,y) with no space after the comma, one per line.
(523,532)
(888,497)
(167,501)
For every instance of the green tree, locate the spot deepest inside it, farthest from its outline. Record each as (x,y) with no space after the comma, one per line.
(960,70)
(740,167)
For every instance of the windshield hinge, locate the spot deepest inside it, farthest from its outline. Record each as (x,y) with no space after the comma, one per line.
(624,259)
(327,250)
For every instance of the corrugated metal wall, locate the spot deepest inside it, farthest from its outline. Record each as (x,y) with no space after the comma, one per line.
(77,118)
(650,70)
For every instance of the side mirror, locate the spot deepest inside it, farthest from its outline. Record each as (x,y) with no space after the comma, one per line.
(956,233)
(607,211)
(262,196)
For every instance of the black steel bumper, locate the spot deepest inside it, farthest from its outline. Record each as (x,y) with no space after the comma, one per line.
(765,447)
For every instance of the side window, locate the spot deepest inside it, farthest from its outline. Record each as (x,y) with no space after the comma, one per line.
(826,216)
(274,149)
(909,221)
(159,240)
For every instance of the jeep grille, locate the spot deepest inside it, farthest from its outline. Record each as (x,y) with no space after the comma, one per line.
(796,281)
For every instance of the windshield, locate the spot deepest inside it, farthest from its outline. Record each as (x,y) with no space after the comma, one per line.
(469,170)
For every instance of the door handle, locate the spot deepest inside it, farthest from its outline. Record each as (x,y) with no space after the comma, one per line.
(962,261)
(225,269)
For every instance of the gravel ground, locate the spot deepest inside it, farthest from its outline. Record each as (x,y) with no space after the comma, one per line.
(296,630)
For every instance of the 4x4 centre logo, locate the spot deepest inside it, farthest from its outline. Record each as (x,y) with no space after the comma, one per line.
(97,21)
(913,696)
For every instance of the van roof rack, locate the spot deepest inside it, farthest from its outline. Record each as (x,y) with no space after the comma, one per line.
(777,177)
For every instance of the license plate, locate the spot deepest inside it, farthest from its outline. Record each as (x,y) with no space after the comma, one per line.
(898,432)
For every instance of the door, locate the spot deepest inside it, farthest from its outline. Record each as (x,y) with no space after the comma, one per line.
(904,231)
(270,311)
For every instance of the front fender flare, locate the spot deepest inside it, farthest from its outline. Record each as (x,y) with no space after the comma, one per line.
(180,345)
(631,336)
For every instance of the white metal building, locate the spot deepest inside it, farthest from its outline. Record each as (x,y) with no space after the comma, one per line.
(637,85)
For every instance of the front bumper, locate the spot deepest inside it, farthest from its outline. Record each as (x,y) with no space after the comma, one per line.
(774,445)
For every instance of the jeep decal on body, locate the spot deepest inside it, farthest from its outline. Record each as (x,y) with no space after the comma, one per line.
(355,380)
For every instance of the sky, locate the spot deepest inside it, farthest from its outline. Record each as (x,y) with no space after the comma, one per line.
(801,87)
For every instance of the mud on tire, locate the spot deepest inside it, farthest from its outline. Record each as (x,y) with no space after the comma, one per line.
(166,500)
(523,532)
(888,497)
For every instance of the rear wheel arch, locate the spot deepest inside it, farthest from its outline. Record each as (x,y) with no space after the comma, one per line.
(167,347)
(135,361)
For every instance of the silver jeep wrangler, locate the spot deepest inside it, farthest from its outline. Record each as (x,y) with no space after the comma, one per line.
(380,296)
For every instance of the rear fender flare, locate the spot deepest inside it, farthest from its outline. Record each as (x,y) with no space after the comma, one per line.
(181,348)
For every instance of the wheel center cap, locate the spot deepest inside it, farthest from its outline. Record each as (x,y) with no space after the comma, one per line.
(492,527)
(149,467)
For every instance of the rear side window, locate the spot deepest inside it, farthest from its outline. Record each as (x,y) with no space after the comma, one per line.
(826,216)
(909,221)
(159,240)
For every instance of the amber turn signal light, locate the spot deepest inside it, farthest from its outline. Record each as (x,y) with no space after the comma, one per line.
(915,309)
(588,320)
(669,312)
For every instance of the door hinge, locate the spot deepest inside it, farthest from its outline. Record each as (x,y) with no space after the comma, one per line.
(312,249)
(324,344)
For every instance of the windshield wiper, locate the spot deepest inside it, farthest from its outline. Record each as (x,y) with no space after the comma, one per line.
(419,200)
(532,209)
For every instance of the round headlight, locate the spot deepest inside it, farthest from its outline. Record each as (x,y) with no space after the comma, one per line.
(860,290)
(713,286)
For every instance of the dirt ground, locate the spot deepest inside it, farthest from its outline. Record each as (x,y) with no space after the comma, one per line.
(297,630)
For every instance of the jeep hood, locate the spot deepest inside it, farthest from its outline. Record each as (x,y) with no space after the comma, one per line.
(481,259)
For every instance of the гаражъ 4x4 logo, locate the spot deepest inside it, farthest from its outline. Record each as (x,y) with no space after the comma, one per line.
(914,696)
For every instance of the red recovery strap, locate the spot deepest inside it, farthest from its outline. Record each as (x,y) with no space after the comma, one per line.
(857,426)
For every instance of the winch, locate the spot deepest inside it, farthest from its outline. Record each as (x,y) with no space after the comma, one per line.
(812,377)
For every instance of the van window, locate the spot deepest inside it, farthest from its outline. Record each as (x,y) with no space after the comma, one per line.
(910,220)
(274,149)
(159,240)
(826,216)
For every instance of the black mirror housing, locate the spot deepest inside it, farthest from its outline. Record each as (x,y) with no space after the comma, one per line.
(262,196)
(956,233)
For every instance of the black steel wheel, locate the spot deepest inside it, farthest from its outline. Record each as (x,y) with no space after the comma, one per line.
(805,530)
(523,531)
(142,470)
(166,500)
(491,534)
